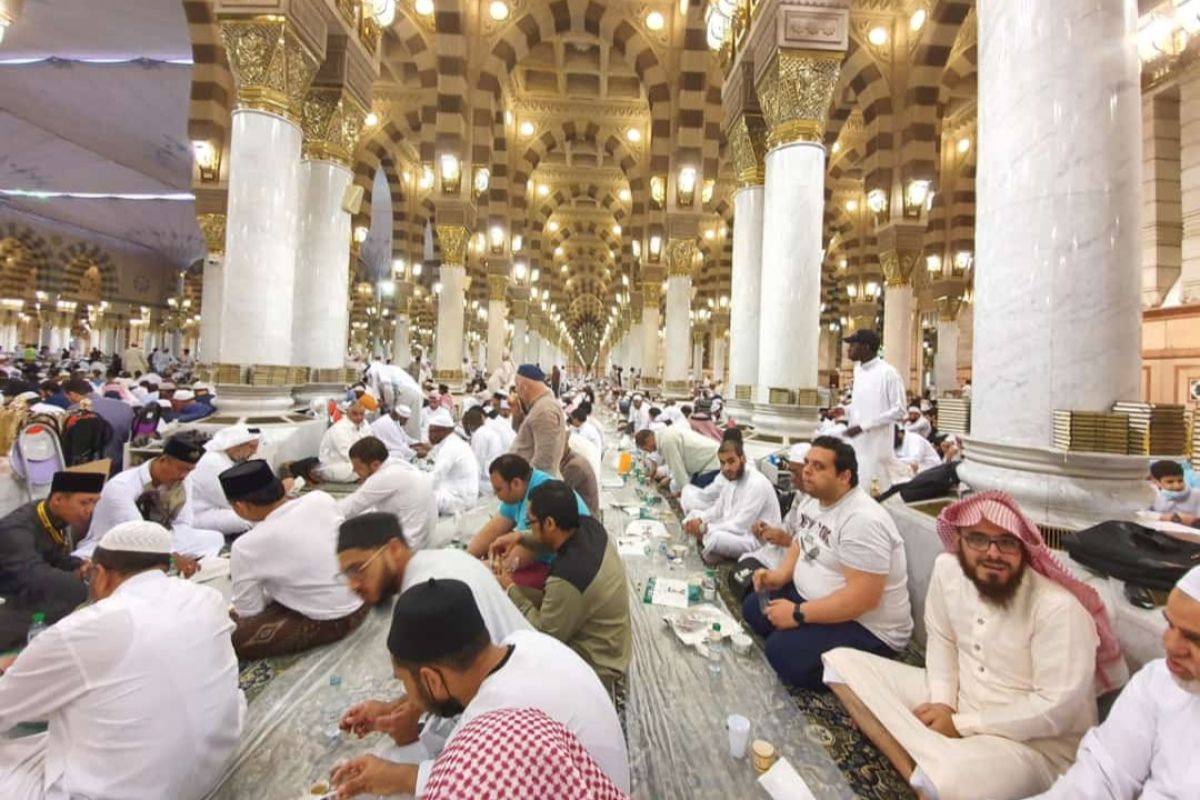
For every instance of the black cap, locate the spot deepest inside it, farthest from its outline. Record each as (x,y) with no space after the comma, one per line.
(369,531)
(246,478)
(183,448)
(865,336)
(433,620)
(86,482)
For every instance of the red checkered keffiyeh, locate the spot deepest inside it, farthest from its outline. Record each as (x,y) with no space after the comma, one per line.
(517,754)
(1000,509)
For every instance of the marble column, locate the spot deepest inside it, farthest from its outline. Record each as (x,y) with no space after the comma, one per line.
(497,324)
(747,145)
(262,227)
(533,347)
(331,121)
(1057,317)
(1189,183)
(651,321)
(718,356)
(452,302)
(697,354)
(945,358)
(519,309)
(678,339)
(212,226)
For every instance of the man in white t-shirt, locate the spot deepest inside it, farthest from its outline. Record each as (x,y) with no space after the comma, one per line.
(844,581)
(442,651)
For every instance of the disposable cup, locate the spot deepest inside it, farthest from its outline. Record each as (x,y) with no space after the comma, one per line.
(739,735)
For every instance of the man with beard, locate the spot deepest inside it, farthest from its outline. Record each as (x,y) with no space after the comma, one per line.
(1146,746)
(377,562)
(450,665)
(746,497)
(1017,649)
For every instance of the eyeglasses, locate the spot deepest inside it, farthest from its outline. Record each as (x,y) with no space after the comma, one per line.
(354,572)
(981,542)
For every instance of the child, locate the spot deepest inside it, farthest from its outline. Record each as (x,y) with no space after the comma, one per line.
(1175,501)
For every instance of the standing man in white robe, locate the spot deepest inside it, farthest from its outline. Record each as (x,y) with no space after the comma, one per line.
(139,689)
(206,507)
(394,486)
(334,452)
(747,497)
(1015,649)
(392,429)
(1146,748)
(455,469)
(876,407)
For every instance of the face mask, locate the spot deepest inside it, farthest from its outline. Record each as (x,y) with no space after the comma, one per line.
(1180,495)
(446,709)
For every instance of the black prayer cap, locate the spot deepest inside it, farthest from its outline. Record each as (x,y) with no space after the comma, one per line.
(87,482)
(183,448)
(369,531)
(246,478)
(433,620)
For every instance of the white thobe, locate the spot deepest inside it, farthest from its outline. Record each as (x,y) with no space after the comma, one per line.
(672,415)
(584,447)
(290,558)
(388,430)
(916,451)
(640,417)
(738,506)
(118,503)
(1145,749)
(398,488)
(921,427)
(507,434)
(695,498)
(1190,504)
(545,674)
(455,475)
(590,431)
(1020,678)
(334,452)
(487,444)
(206,506)
(140,691)
(878,405)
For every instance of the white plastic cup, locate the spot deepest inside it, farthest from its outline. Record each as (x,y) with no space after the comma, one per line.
(739,735)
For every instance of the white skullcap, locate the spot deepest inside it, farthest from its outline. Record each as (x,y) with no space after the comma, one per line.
(1189,584)
(138,536)
(441,419)
(26,396)
(152,378)
(229,437)
(403,410)
(799,451)
(637,395)
(208,387)
(913,408)
(164,403)
(185,394)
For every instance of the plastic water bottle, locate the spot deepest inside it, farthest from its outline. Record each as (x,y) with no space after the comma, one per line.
(331,711)
(459,530)
(708,586)
(714,649)
(37,627)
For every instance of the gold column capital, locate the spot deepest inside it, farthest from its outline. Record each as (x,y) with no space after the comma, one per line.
(212,227)
(948,308)
(795,90)
(272,68)
(747,138)
(518,309)
(453,239)
(898,266)
(651,294)
(497,287)
(681,256)
(331,120)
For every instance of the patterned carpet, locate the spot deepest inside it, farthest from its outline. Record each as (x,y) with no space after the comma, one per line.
(255,676)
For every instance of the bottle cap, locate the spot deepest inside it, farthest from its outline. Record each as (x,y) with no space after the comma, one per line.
(716,627)
(39,617)
(335,680)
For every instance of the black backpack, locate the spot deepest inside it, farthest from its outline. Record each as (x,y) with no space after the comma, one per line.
(85,435)
(934,482)
(1133,553)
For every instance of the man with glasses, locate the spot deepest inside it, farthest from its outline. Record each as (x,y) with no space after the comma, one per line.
(1017,649)
(844,580)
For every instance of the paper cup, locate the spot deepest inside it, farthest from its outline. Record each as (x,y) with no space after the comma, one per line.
(739,735)
(741,644)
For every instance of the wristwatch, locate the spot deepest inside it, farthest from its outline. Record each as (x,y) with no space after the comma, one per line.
(798,614)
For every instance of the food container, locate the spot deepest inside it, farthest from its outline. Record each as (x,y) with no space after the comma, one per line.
(741,644)
(764,755)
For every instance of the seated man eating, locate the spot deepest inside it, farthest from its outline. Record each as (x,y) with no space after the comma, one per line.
(1014,646)
(844,581)
(746,497)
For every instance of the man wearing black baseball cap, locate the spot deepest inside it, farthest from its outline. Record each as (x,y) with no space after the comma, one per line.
(878,404)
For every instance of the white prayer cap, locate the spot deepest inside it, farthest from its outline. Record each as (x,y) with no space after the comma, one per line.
(232,436)
(152,378)
(799,451)
(1189,584)
(441,419)
(185,394)
(162,402)
(911,409)
(403,410)
(138,536)
(27,396)
(637,395)
(208,387)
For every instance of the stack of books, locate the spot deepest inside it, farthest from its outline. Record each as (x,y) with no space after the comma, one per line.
(226,374)
(1091,432)
(270,375)
(954,415)
(1155,429)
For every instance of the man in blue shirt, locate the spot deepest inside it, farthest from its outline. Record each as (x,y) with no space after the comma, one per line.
(513,478)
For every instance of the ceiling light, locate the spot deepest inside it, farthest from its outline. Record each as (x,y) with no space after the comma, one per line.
(964,144)
(933,263)
(526,128)
(499,10)
(508,117)
(655,21)
(424,7)
(852,206)
(552,226)
(710,234)
(877,35)
(558,251)
(616,229)
(633,135)
(543,190)
(837,146)
(371,119)
(384,12)
(917,20)
(624,195)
